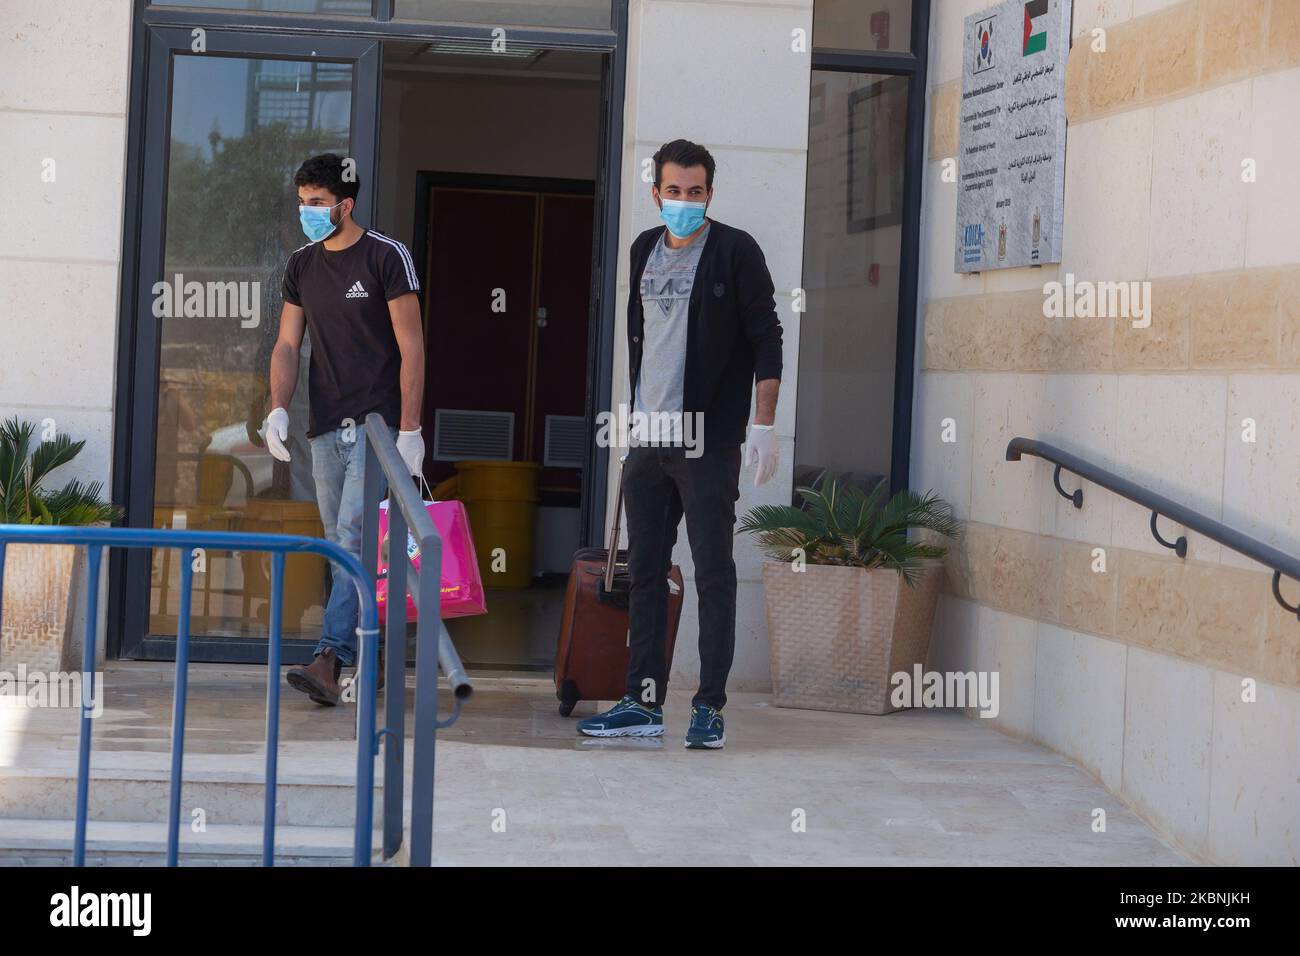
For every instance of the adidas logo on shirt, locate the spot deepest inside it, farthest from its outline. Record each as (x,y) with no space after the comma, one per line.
(357,292)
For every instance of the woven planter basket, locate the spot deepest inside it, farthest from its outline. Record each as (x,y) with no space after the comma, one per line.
(37,610)
(836,634)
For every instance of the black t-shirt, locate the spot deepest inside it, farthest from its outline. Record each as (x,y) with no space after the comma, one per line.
(355,362)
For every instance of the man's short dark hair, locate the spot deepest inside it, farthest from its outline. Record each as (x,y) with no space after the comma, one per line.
(326,171)
(685,154)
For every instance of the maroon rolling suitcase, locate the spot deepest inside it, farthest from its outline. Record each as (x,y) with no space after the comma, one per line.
(592,654)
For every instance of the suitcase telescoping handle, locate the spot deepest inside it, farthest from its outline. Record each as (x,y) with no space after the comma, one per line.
(614,530)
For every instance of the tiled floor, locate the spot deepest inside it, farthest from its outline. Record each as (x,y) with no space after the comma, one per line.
(516,785)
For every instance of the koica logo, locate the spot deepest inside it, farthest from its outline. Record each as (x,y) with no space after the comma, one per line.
(972,243)
(357,292)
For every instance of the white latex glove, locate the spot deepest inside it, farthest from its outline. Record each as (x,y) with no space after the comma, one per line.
(276,433)
(762,448)
(410,445)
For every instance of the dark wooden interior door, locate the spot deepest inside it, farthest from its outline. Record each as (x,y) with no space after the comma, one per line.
(481,245)
(527,251)
(564,301)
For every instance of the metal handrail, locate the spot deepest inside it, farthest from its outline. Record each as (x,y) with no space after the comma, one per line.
(433,645)
(1279,562)
(95,539)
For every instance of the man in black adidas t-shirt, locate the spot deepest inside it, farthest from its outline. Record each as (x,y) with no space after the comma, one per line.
(354,290)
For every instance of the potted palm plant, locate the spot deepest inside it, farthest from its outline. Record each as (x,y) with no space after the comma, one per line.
(38,578)
(850,589)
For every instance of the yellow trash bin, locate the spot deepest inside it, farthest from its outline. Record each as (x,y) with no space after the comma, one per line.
(501,499)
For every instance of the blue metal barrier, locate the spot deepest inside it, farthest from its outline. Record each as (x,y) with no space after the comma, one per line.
(433,648)
(278,545)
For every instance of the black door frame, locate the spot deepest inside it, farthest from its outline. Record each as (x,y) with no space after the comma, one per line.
(163,45)
(913,67)
(332,38)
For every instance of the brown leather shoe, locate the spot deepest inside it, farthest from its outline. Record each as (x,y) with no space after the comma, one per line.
(319,680)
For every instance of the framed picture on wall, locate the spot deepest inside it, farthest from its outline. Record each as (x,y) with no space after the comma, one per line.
(877,125)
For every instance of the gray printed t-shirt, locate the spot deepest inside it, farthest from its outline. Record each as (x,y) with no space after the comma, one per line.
(666,287)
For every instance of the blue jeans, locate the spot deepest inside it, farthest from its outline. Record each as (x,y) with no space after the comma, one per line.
(336,466)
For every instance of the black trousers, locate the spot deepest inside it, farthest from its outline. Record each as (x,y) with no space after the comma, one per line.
(660,484)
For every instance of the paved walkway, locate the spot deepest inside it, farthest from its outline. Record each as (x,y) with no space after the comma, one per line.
(517,785)
(919,787)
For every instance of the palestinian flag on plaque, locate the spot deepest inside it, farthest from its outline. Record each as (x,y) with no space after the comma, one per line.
(1035,42)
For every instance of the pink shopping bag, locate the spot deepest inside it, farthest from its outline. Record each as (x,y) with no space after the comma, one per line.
(462,587)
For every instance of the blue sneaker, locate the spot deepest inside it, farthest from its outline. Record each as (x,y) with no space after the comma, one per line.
(627,718)
(706,732)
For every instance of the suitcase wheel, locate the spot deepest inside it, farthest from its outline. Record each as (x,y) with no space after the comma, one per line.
(568,694)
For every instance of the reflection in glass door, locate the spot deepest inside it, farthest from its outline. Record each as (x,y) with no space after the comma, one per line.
(862,216)
(237,128)
(852,273)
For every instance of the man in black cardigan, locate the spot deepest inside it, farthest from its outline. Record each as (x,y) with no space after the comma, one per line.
(702,329)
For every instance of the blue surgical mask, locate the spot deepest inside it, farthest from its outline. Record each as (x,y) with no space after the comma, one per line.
(682,218)
(316,224)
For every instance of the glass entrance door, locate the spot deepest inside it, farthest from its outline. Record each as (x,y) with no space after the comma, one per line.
(230,117)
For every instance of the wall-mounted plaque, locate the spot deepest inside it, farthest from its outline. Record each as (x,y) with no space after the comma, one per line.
(1011,144)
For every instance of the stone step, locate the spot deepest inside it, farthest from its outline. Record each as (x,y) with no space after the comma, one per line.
(131,843)
(141,795)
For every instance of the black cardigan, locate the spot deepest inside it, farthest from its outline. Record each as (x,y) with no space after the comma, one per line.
(733,335)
